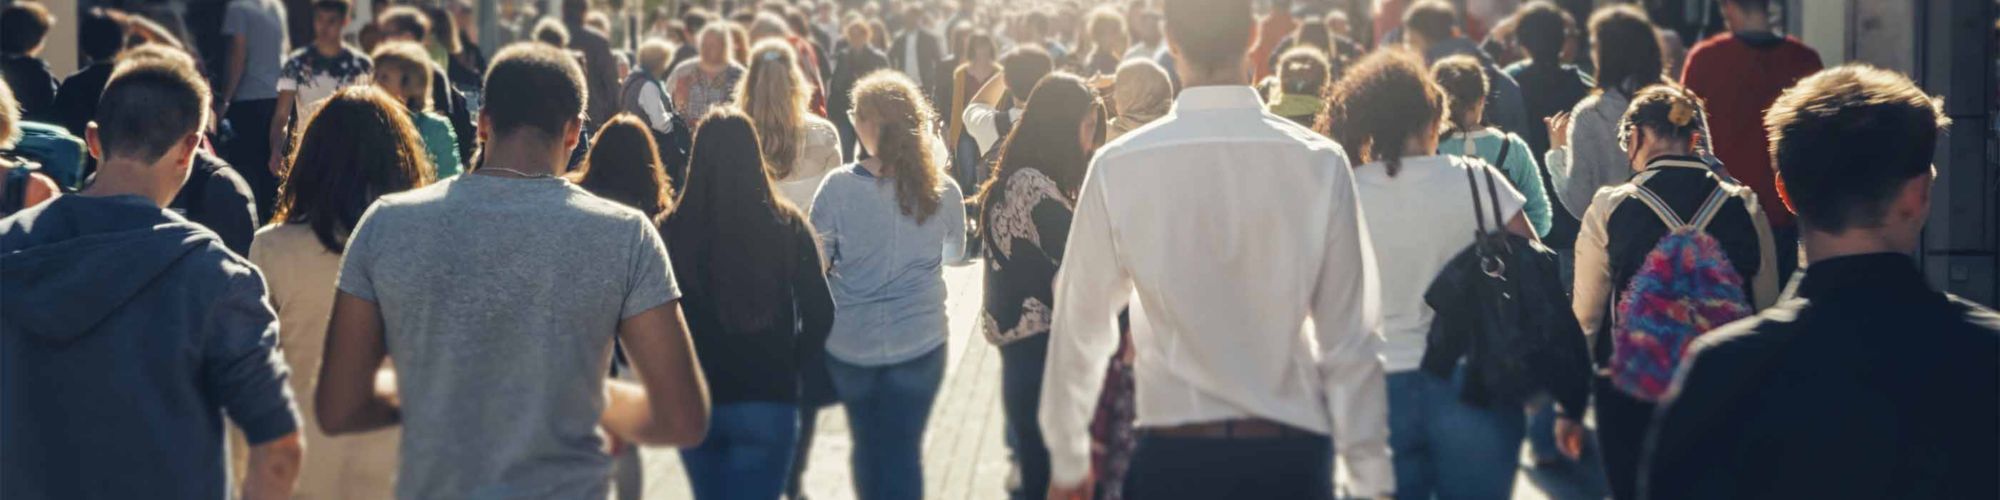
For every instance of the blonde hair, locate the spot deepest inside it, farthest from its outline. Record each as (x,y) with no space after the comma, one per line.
(774,94)
(891,101)
(654,54)
(10,116)
(412,65)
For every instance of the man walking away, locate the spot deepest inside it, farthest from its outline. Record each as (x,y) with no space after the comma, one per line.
(1739,74)
(1864,382)
(1238,399)
(500,329)
(249,92)
(128,368)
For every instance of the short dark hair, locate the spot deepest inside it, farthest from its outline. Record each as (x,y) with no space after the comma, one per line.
(1024,67)
(360,145)
(1627,50)
(694,20)
(1304,70)
(1667,109)
(154,100)
(1845,139)
(1464,83)
(1432,19)
(99,36)
(1541,28)
(552,32)
(405,19)
(533,85)
(341,7)
(1753,5)
(1210,33)
(25,24)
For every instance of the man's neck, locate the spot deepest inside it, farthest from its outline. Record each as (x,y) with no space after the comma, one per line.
(1193,77)
(119,177)
(1822,246)
(532,157)
(327,48)
(1750,24)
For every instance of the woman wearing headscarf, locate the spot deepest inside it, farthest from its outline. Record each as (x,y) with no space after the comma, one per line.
(1143,93)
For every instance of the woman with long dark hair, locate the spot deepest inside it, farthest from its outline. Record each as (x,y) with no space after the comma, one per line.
(888,225)
(757,305)
(1025,216)
(360,146)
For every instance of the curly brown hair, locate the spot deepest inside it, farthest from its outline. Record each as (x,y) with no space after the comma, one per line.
(1384,101)
(892,101)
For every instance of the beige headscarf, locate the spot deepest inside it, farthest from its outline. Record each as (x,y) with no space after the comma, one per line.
(1143,94)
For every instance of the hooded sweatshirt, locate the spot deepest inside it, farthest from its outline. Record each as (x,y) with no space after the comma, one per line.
(128,333)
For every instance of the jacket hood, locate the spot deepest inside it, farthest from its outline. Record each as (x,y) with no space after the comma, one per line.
(66,284)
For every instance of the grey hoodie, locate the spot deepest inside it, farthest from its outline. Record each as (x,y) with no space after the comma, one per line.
(126,332)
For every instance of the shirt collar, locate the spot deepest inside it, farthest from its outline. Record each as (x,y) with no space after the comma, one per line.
(1676,161)
(1883,273)
(1218,97)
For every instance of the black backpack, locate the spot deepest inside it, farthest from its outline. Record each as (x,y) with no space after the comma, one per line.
(677,141)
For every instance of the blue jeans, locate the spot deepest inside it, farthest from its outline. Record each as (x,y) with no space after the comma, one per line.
(1445,448)
(887,409)
(747,454)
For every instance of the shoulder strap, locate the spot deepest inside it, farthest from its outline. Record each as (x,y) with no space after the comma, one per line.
(16,194)
(1003,123)
(1709,209)
(1492,198)
(1506,145)
(1659,206)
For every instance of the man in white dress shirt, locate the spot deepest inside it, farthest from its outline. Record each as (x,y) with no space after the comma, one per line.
(1256,319)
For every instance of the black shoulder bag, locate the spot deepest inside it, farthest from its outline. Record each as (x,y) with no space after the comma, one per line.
(1502,309)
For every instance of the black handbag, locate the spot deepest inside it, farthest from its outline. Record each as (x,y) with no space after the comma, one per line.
(1501,308)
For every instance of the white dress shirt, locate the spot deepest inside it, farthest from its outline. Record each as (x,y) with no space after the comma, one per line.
(912,66)
(1242,235)
(980,120)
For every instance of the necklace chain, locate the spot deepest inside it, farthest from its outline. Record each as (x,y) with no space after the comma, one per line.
(518,173)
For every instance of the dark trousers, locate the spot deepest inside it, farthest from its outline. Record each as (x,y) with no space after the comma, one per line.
(1202,468)
(250,151)
(1622,423)
(1021,365)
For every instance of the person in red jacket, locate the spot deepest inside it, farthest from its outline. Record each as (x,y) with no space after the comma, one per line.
(1739,74)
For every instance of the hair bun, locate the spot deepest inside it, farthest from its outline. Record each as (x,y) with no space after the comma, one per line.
(1681,114)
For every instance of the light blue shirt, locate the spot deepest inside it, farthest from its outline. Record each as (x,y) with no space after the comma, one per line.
(1520,167)
(885,269)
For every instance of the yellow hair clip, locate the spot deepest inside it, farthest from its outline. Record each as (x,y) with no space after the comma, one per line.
(1681,114)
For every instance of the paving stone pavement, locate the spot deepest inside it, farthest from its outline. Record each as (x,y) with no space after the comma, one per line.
(964,453)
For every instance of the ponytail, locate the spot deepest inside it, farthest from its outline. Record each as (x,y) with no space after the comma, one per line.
(890,99)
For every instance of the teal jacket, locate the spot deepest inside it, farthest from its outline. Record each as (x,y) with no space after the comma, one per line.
(439,141)
(1520,166)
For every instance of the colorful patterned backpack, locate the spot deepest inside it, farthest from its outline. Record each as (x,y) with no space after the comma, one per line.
(1684,288)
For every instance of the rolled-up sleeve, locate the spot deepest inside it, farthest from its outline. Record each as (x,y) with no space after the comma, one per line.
(241,363)
(1346,325)
(1089,290)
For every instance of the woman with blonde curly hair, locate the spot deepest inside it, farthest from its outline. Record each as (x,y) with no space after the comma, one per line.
(799,147)
(888,225)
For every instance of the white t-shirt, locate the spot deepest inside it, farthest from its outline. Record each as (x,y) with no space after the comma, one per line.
(1418,220)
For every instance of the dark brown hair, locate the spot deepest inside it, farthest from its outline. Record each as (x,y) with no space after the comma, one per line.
(1046,137)
(1667,109)
(534,85)
(1211,34)
(25,25)
(405,19)
(1845,139)
(413,71)
(1626,49)
(153,101)
(732,238)
(1464,83)
(359,146)
(1384,101)
(624,166)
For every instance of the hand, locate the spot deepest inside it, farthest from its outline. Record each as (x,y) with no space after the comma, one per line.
(1558,130)
(1082,490)
(1569,437)
(277,163)
(1101,82)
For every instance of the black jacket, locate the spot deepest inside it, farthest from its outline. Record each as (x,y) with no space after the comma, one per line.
(218,198)
(930,58)
(34,86)
(1864,382)
(76,99)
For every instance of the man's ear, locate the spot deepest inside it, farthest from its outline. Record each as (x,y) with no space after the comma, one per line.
(1913,199)
(94,144)
(572,133)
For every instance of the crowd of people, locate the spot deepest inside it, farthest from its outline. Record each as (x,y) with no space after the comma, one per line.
(1224,244)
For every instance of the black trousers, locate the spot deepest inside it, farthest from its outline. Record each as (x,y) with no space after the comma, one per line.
(1201,468)
(1021,365)
(250,151)
(1622,423)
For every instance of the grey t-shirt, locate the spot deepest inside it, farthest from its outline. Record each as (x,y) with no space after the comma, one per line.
(499,299)
(262,24)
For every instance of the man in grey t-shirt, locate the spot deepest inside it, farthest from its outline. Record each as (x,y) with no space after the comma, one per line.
(498,293)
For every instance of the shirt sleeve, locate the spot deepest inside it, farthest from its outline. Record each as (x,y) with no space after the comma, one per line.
(826,223)
(1595,160)
(652,280)
(233,19)
(359,257)
(1593,266)
(1511,201)
(1089,290)
(979,119)
(1764,288)
(1689,454)
(654,104)
(1346,318)
(290,74)
(1528,179)
(241,365)
(952,208)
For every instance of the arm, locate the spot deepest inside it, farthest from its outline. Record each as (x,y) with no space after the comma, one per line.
(671,408)
(1593,286)
(150,31)
(242,367)
(1764,288)
(826,223)
(232,73)
(348,399)
(1089,291)
(990,93)
(1527,176)
(953,210)
(281,116)
(1347,323)
(238,227)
